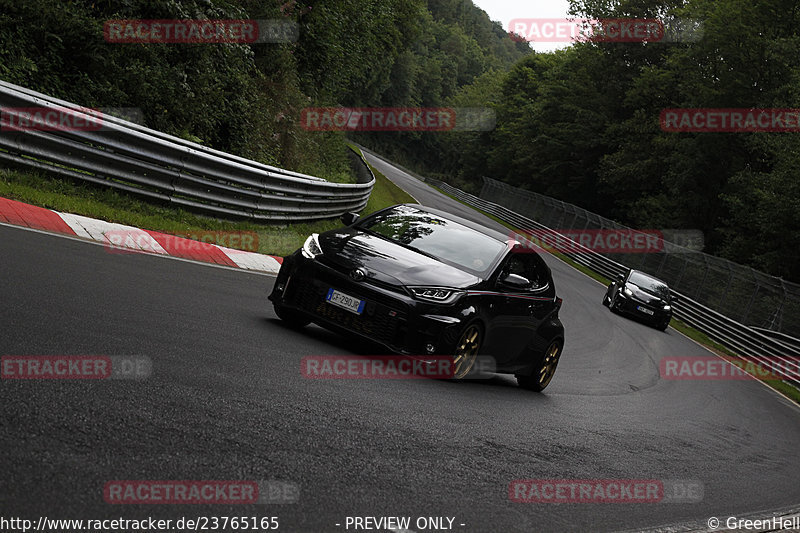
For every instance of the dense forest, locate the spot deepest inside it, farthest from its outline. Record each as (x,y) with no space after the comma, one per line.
(247,98)
(580,124)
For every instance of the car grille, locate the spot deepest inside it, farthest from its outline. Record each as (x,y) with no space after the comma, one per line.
(379,321)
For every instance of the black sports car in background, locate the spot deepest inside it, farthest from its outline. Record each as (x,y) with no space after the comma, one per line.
(643,296)
(420,281)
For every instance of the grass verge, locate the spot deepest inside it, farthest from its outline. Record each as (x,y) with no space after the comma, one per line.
(698,336)
(71,196)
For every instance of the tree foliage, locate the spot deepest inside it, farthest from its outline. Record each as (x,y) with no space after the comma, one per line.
(248,98)
(582,124)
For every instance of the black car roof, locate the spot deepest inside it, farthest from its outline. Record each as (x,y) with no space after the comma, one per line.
(502,237)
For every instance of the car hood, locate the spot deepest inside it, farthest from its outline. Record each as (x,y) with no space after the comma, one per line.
(644,296)
(348,248)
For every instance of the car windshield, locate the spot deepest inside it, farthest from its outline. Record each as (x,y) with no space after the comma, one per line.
(438,237)
(648,284)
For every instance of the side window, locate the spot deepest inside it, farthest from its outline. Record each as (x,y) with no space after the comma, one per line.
(537,272)
(516,265)
(529,266)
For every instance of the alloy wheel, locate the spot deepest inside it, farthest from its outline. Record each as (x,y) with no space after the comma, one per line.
(549,363)
(466,352)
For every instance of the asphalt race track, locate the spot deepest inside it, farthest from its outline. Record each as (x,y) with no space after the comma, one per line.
(226,401)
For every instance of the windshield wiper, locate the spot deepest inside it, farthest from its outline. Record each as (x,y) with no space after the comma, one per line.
(426,254)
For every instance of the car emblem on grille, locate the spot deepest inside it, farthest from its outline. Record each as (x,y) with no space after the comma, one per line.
(358,274)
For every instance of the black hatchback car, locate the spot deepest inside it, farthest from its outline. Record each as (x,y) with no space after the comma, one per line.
(423,282)
(643,296)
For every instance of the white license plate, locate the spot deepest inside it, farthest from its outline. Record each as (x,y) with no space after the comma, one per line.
(340,299)
(645,310)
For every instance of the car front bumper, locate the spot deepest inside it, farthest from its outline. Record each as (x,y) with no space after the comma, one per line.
(651,313)
(391,318)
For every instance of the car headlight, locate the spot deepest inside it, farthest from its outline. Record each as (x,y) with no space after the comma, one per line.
(311,247)
(435,294)
(628,292)
(667,307)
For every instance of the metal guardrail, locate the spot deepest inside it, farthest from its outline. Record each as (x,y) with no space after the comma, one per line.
(739,292)
(750,343)
(783,338)
(138,160)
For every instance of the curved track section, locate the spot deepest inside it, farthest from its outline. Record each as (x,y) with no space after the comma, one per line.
(226,400)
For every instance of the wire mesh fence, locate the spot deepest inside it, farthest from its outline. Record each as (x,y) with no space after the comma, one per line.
(746,295)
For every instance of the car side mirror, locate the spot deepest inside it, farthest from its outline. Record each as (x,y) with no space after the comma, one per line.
(673,297)
(514,281)
(620,279)
(348,219)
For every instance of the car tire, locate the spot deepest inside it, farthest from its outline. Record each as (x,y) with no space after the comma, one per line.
(663,326)
(544,370)
(466,351)
(291,317)
(606,301)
